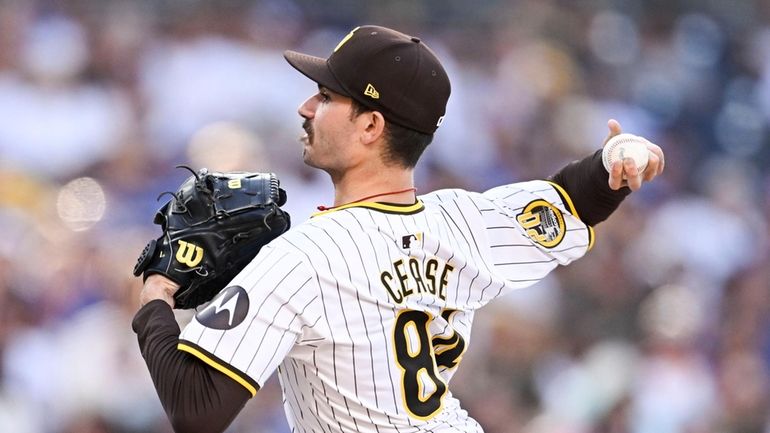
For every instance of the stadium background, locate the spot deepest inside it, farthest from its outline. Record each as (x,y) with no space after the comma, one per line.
(663,328)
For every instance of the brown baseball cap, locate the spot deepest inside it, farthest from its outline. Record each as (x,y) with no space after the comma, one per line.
(385,70)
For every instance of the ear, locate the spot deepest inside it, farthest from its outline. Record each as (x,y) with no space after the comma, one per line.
(372,126)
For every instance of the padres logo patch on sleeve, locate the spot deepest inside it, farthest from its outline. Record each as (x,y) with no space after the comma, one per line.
(543,222)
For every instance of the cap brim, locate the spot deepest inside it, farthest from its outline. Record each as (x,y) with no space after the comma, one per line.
(315,68)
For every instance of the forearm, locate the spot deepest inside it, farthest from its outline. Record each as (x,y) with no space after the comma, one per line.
(196,397)
(586,182)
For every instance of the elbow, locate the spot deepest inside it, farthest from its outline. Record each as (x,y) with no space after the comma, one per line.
(194,424)
(203,418)
(186,424)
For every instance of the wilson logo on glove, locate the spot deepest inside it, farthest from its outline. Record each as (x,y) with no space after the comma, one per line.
(189,254)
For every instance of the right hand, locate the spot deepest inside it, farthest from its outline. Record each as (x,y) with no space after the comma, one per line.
(634,179)
(157,286)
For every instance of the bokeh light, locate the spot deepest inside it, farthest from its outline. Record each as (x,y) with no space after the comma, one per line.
(614,38)
(226,146)
(81,203)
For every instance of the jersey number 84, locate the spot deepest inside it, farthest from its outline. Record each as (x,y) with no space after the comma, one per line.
(420,356)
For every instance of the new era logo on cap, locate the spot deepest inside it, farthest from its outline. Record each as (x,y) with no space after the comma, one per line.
(387,71)
(372,92)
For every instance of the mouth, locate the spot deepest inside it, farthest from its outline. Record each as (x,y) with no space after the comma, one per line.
(307,138)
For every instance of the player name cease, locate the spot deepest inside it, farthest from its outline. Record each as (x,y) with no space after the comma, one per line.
(411,277)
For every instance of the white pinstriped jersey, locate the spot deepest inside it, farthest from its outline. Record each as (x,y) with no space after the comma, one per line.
(366,310)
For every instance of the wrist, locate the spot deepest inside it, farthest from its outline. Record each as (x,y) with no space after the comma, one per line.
(157,286)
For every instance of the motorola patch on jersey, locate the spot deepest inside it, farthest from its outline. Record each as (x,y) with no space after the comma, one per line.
(227,310)
(543,222)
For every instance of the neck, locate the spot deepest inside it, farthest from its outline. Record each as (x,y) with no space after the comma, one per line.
(390,185)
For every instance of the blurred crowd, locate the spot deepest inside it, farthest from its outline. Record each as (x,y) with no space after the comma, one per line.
(664,327)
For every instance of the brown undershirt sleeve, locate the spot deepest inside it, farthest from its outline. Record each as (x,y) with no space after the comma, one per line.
(586,182)
(196,397)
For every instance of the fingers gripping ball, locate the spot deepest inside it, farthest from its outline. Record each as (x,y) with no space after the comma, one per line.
(624,146)
(213,226)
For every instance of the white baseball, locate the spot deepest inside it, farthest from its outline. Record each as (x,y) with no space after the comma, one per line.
(624,146)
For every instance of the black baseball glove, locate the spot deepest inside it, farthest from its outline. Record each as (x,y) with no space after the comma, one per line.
(214,225)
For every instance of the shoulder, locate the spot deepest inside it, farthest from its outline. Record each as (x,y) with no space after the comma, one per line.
(449,195)
(531,186)
(497,196)
(467,202)
(315,232)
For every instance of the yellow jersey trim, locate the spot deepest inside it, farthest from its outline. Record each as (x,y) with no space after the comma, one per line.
(566,198)
(573,211)
(384,207)
(217,366)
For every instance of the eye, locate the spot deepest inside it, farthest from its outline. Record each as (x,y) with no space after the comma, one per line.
(325,97)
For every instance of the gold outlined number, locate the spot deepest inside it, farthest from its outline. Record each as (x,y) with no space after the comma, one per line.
(419,356)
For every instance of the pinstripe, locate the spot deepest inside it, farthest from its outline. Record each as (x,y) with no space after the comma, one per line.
(328,399)
(571,248)
(382,324)
(481,262)
(249,270)
(291,391)
(342,307)
(430,224)
(199,331)
(286,330)
(347,328)
(256,315)
(514,193)
(448,218)
(363,317)
(331,334)
(526,262)
(443,215)
(483,291)
(323,301)
(254,267)
(312,394)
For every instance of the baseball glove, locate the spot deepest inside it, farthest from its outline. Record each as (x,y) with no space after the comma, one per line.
(213,226)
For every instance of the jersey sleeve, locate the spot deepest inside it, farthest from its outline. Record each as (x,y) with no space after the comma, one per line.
(248,329)
(534,225)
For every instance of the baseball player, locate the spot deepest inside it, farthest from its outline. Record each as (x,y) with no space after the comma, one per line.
(366,309)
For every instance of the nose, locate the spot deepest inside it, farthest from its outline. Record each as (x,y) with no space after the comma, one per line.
(307,108)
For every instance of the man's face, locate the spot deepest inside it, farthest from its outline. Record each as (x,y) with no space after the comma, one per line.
(330,131)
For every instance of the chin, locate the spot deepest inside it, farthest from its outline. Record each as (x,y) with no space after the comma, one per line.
(308,160)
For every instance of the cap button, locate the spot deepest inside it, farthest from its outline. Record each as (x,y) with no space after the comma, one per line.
(414,39)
